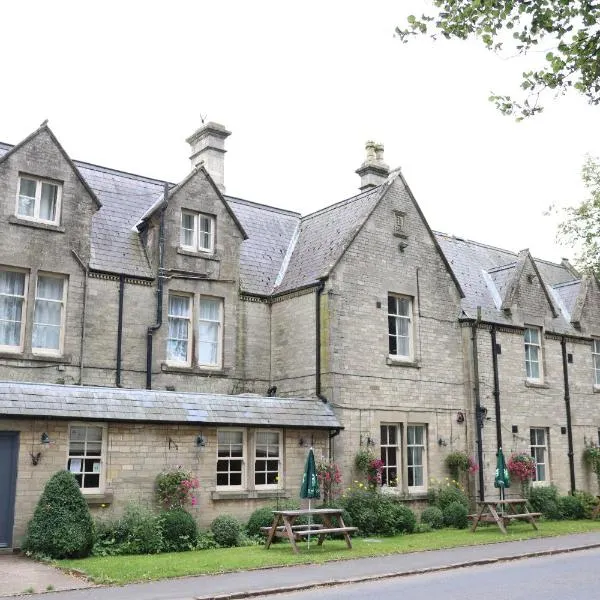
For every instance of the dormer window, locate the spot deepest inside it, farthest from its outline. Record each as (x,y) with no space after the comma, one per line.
(197,231)
(39,200)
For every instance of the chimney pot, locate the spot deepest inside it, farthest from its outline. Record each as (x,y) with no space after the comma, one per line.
(208,146)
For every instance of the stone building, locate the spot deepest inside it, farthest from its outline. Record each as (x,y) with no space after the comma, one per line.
(146,325)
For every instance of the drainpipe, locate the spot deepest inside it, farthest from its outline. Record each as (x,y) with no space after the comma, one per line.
(120,328)
(563,345)
(159,291)
(496,388)
(332,434)
(318,295)
(86,273)
(478,414)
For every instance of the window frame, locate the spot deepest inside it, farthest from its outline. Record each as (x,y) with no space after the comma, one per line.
(596,362)
(255,459)
(244,460)
(415,489)
(20,348)
(103,451)
(411,327)
(544,448)
(198,234)
(219,364)
(528,361)
(39,181)
(385,451)
(190,319)
(51,351)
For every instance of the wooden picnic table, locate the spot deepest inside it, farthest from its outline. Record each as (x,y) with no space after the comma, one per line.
(503,512)
(283,526)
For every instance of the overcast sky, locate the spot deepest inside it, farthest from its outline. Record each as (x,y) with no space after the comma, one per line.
(301,86)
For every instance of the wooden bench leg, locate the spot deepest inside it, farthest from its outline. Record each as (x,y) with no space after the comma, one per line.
(272,531)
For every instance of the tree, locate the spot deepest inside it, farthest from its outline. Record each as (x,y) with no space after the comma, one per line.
(581,226)
(569,27)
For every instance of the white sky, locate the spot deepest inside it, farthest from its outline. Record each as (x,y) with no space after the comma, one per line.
(302,86)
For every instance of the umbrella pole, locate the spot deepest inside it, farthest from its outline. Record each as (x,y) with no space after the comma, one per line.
(309,519)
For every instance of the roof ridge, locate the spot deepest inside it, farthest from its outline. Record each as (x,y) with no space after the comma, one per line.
(128,174)
(260,205)
(340,202)
(461,239)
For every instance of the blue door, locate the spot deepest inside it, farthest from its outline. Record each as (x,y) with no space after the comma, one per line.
(9,447)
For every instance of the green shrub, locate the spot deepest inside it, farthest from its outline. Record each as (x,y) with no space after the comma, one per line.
(61,526)
(405,521)
(206,541)
(544,499)
(588,502)
(179,530)
(261,517)
(571,507)
(457,463)
(450,494)
(138,531)
(456,515)
(226,530)
(433,517)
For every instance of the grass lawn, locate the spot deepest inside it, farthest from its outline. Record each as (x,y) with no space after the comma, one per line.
(129,569)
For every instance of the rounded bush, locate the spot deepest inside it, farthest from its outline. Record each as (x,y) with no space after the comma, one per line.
(433,517)
(226,530)
(544,499)
(179,530)
(449,494)
(405,519)
(588,501)
(261,517)
(456,515)
(61,526)
(139,531)
(571,507)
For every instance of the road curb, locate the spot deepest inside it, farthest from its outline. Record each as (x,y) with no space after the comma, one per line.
(366,578)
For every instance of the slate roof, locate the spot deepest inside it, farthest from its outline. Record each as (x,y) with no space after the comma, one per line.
(113,404)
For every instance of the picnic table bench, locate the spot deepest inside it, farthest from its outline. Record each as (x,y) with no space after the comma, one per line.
(503,512)
(283,526)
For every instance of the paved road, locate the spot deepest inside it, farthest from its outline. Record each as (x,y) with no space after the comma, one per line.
(564,577)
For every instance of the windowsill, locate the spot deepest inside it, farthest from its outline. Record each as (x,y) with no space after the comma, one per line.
(392,361)
(198,254)
(194,370)
(596,389)
(536,384)
(65,359)
(98,498)
(249,494)
(404,495)
(35,224)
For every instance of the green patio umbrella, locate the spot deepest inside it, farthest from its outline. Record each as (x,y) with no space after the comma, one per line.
(502,477)
(310,483)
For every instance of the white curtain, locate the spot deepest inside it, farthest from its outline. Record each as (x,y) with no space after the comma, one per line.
(27,197)
(48,202)
(47,319)
(179,314)
(12,289)
(208,331)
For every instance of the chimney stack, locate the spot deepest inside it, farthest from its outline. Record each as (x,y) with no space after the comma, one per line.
(208,145)
(373,171)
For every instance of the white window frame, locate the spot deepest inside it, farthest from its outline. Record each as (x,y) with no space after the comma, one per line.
(198,233)
(38,198)
(19,348)
(528,361)
(244,461)
(255,459)
(411,328)
(387,449)
(63,302)
(219,363)
(412,489)
(596,362)
(535,448)
(82,457)
(190,320)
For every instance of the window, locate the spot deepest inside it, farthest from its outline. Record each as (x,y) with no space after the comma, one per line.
(86,456)
(267,455)
(197,231)
(48,317)
(415,457)
(178,341)
(230,458)
(539,451)
(533,354)
(210,331)
(389,454)
(596,359)
(39,200)
(12,309)
(400,326)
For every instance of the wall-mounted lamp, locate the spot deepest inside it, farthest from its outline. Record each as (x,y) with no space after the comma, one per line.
(45,439)
(442,442)
(200,441)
